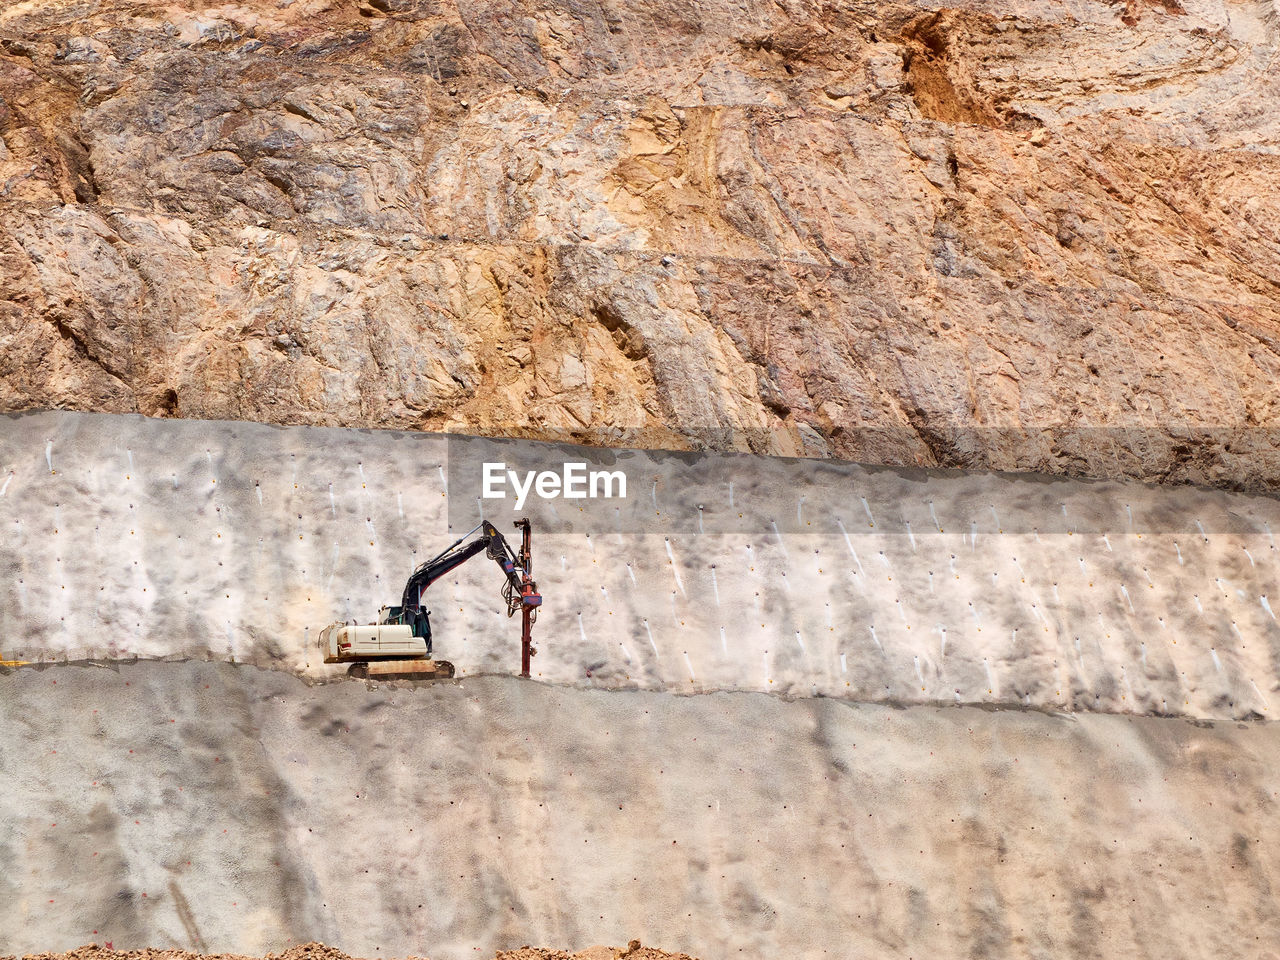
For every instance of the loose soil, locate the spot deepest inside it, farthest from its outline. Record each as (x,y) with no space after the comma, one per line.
(318,951)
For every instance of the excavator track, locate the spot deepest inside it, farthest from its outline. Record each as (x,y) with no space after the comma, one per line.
(402,670)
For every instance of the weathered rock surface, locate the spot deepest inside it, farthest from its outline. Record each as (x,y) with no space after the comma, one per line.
(1019,236)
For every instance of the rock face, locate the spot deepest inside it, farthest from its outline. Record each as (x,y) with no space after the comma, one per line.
(1021,236)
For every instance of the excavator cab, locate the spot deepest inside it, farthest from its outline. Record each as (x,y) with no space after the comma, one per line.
(417,619)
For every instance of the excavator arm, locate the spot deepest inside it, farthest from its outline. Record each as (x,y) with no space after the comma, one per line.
(435,568)
(519,592)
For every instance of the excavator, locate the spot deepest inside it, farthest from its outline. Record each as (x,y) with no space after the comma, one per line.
(398,645)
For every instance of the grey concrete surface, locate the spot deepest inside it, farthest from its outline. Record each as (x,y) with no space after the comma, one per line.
(126,537)
(222,807)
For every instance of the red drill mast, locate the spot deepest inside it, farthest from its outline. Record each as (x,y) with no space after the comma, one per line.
(530,599)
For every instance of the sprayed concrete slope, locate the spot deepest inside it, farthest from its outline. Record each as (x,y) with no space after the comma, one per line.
(127,537)
(222,807)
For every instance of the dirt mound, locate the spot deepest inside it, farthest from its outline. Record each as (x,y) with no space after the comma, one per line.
(633,951)
(318,951)
(92,951)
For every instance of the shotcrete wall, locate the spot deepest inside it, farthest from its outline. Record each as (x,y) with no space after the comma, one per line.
(126,537)
(241,806)
(228,808)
